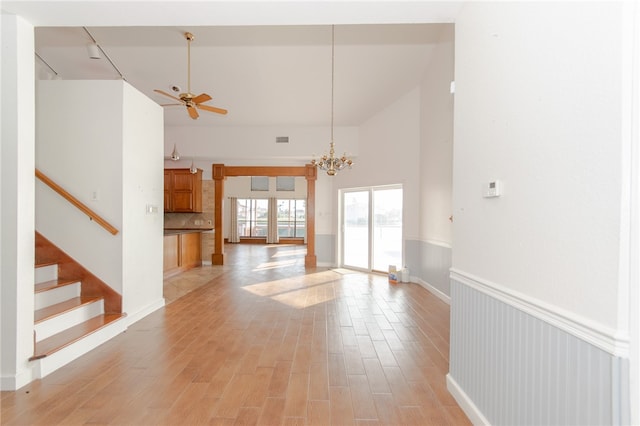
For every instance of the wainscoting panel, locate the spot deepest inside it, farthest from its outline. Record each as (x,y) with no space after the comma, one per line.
(517,369)
(429,263)
(325,249)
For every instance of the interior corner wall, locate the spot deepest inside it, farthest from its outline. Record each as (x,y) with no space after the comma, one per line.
(80,147)
(428,256)
(17,242)
(388,145)
(143,198)
(535,323)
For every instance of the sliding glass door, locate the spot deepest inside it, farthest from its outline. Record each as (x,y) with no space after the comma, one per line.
(356,229)
(372,228)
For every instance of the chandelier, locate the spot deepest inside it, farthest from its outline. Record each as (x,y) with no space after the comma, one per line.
(331,163)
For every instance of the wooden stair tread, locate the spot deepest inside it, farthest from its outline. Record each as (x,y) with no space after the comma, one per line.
(65,338)
(42,263)
(62,307)
(48,285)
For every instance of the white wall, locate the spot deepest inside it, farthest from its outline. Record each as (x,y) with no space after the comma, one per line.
(107,140)
(16,202)
(537,105)
(143,187)
(540,275)
(436,148)
(80,147)
(389,142)
(249,146)
(429,256)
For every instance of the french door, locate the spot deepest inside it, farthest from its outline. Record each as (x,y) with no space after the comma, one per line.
(371,223)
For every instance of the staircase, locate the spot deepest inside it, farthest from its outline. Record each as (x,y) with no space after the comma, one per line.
(74,310)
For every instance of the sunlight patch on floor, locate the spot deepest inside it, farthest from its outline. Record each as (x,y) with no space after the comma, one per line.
(276,264)
(292,252)
(298,292)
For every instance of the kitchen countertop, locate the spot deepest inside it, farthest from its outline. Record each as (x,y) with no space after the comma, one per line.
(175,231)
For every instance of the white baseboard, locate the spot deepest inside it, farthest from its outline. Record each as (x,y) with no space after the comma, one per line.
(431,289)
(465,403)
(13,383)
(152,307)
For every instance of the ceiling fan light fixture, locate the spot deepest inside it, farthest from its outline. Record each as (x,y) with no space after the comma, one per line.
(175,155)
(192,102)
(94,51)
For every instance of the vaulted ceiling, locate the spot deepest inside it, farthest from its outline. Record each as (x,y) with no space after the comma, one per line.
(263,75)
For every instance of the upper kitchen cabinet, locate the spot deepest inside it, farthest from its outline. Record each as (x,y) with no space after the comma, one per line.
(182,191)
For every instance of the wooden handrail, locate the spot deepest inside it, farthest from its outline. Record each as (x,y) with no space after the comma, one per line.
(73,200)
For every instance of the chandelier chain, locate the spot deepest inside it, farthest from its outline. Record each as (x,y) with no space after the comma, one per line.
(333,67)
(330,163)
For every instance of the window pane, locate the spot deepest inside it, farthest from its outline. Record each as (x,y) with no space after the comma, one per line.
(285,183)
(261,216)
(356,229)
(291,218)
(387,228)
(252,218)
(259,183)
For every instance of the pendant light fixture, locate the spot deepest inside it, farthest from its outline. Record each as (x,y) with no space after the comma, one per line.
(193,168)
(330,163)
(175,155)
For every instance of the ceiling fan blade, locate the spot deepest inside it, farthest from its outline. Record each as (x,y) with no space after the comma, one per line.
(192,112)
(212,109)
(167,94)
(203,97)
(171,104)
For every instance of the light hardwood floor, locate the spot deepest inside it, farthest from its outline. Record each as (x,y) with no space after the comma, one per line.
(263,341)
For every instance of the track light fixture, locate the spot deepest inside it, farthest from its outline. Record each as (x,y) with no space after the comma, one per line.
(94,51)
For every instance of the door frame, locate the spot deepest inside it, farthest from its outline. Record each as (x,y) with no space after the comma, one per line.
(371,190)
(220,172)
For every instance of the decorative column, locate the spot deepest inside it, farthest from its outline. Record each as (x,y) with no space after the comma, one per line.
(217,258)
(311,174)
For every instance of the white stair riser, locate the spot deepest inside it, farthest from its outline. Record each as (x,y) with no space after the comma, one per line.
(56,295)
(68,319)
(64,356)
(46,273)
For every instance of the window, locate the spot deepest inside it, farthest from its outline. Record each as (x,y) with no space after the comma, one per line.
(259,183)
(252,217)
(292,218)
(285,183)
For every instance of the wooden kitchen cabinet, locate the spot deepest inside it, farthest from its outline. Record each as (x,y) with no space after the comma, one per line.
(182,191)
(182,251)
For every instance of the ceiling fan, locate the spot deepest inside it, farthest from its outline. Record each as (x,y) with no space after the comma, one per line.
(191,101)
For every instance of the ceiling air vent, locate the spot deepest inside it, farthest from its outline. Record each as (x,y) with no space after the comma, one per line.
(282,139)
